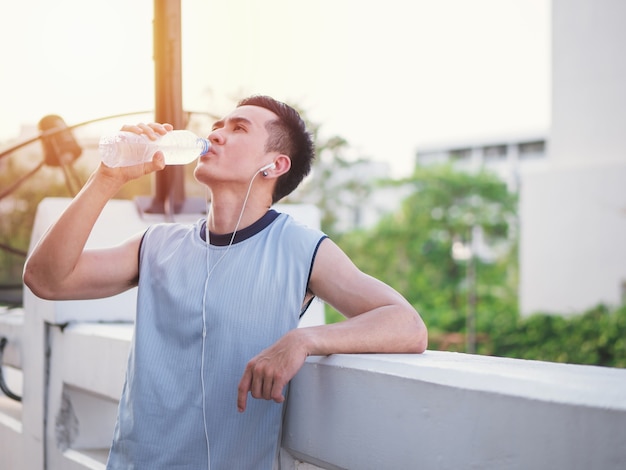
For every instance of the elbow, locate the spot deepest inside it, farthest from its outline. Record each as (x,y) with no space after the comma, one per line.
(28,278)
(36,283)
(419,341)
(410,332)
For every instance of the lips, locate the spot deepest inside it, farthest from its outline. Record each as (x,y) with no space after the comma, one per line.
(208,155)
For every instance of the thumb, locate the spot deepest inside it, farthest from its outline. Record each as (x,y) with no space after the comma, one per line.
(158,160)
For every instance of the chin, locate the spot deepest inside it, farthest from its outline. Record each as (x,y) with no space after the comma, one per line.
(198,173)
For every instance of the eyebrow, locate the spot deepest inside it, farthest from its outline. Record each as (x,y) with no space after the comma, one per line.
(232,120)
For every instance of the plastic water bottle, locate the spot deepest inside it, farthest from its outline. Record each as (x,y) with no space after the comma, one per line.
(127,148)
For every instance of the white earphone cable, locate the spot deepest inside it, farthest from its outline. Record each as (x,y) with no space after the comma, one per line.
(210,270)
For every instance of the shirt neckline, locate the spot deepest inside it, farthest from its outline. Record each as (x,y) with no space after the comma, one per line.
(241,235)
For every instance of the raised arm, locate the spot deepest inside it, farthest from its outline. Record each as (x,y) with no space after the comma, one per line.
(59,267)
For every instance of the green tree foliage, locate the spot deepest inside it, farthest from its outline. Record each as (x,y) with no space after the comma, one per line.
(17,209)
(411,248)
(593,337)
(335,181)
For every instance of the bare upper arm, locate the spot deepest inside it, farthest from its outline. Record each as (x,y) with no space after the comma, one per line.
(98,273)
(339,282)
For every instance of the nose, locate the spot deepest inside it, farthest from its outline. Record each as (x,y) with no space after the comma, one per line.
(216,137)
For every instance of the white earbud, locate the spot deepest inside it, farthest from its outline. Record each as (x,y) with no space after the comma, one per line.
(271,166)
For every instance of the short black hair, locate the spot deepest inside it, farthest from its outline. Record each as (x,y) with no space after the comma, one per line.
(287,135)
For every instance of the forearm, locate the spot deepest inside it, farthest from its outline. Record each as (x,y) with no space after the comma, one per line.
(56,254)
(393,328)
(387,329)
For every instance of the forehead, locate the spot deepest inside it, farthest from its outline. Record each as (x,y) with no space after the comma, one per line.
(254,115)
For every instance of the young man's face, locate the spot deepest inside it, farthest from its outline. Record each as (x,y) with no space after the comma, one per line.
(237,146)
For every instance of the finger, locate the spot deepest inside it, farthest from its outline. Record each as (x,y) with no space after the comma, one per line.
(131,128)
(256,387)
(267,388)
(152,130)
(277,392)
(158,160)
(242,390)
(160,129)
(141,128)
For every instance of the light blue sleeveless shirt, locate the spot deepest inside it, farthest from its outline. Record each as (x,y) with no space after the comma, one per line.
(254,296)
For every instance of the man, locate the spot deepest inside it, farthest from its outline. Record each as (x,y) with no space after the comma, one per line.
(219,301)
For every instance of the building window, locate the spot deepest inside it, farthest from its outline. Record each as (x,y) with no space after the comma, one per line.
(494,152)
(460,154)
(534,149)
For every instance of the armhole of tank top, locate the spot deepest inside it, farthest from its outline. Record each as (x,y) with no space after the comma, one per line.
(306,305)
(143,237)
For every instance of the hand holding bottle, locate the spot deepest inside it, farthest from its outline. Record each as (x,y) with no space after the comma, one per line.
(135,145)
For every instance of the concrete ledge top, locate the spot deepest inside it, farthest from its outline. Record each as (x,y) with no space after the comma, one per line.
(12,316)
(117,331)
(592,386)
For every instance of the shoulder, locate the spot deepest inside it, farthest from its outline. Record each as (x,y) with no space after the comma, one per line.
(172,229)
(165,233)
(289,223)
(296,233)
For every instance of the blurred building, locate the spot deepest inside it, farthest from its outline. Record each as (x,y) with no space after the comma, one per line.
(505,155)
(572,179)
(349,193)
(573,212)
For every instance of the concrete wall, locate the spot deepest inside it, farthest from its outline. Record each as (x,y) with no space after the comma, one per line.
(572,238)
(445,410)
(588,76)
(437,410)
(573,213)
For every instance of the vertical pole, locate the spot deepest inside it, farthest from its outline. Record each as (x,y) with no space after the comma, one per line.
(170,187)
(470,345)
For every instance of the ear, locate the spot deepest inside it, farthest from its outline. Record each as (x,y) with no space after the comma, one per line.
(283,165)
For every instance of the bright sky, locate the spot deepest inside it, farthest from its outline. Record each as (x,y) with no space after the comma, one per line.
(387,76)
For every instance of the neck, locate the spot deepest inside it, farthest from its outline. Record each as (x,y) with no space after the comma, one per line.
(227,212)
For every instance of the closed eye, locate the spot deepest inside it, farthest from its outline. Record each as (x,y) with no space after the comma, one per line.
(239,123)
(234,123)
(218,125)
